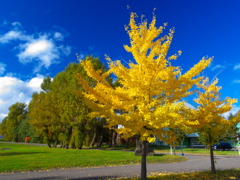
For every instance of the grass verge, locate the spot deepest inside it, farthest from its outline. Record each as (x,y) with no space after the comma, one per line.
(197,151)
(201,151)
(18,157)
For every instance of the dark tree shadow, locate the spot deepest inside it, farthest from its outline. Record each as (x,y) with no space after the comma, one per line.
(159,154)
(18,153)
(6,149)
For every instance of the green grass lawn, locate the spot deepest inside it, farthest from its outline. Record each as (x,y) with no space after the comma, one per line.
(17,157)
(201,151)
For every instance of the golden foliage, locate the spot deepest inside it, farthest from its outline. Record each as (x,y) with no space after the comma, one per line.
(210,112)
(150,88)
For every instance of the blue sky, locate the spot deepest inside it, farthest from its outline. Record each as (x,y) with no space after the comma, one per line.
(41,37)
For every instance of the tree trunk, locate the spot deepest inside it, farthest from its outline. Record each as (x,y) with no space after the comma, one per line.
(99,143)
(138,144)
(114,136)
(127,143)
(66,146)
(94,138)
(110,138)
(174,148)
(182,154)
(213,169)
(144,161)
(55,144)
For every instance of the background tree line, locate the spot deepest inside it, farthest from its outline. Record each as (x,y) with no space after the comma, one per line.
(59,113)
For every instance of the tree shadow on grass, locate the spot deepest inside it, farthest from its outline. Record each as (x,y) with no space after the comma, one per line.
(159,154)
(6,149)
(18,153)
(194,150)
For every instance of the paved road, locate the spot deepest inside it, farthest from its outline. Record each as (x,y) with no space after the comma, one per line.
(194,163)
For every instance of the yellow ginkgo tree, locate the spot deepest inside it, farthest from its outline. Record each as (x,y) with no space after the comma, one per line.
(211,122)
(150,88)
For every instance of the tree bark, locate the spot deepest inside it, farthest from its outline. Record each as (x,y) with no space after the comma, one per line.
(174,148)
(55,144)
(114,137)
(138,144)
(94,138)
(99,143)
(144,161)
(127,143)
(213,169)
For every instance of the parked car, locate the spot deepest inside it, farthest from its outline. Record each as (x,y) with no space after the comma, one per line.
(222,146)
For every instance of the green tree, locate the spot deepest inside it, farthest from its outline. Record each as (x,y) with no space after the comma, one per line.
(232,132)
(26,130)
(46,85)
(17,114)
(44,117)
(180,136)
(3,130)
(72,104)
(60,111)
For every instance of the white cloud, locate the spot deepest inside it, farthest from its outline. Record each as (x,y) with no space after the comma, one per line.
(14,90)
(43,48)
(236,81)
(234,110)
(216,67)
(237,66)
(35,83)
(1,102)
(189,105)
(58,36)
(14,34)
(38,47)
(16,24)
(10,36)
(2,68)
(6,83)
(2,116)
(66,50)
